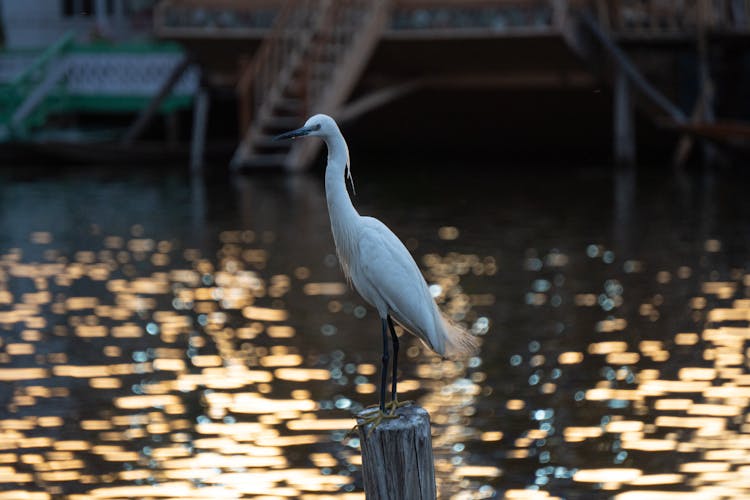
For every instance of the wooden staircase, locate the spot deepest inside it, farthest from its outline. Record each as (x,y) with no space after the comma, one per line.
(308,64)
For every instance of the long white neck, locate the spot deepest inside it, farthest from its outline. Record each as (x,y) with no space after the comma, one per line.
(342,213)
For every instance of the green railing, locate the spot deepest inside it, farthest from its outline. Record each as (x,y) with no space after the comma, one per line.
(22,112)
(123,103)
(14,93)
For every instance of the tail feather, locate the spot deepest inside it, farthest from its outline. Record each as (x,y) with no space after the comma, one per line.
(459,343)
(441,335)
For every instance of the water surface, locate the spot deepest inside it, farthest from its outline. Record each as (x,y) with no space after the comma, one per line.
(167,338)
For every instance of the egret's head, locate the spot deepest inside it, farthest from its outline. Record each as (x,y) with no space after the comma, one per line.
(320,125)
(323,126)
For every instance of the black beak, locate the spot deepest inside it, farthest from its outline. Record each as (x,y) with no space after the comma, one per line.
(300,132)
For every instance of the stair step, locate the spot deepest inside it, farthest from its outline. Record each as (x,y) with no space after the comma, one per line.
(321,70)
(314,76)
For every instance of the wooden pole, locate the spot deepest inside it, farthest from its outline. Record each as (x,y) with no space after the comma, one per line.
(397,461)
(706,83)
(198,140)
(148,113)
(624,120)
(623,63)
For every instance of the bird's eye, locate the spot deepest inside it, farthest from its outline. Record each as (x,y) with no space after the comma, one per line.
(316,126)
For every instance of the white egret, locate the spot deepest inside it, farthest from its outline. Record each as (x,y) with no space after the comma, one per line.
(379,266)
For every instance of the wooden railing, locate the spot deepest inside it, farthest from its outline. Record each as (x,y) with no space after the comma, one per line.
(654,18)
(253,18)
(209,18)
(342,25)
(306,43)
(495,15)
(309,63)
(636,18)
(15,106)
(278,57)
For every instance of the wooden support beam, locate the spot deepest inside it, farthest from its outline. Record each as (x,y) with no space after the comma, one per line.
(624,209)
(710,154)
(624,120)
(198,139)
(703,111)
(685,143)
(376,99)
(148,113)
(397,461)
(622,61)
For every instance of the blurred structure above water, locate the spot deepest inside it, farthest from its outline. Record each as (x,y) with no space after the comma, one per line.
(76,74)
(462,48)
(524,71)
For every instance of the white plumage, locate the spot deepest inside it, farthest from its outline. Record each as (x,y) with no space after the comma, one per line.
(386,276)
(376,262)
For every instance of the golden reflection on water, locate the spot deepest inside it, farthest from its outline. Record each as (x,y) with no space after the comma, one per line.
(196,384)
(139,369)
(668,416)
(699,412)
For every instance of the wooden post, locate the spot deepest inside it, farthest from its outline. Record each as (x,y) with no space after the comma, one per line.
(559,13)
(624,120)
(623,64)
(624,209)
(198,140)
(397,461)
(710,153)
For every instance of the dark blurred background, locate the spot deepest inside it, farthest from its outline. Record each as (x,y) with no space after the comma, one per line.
(211,82)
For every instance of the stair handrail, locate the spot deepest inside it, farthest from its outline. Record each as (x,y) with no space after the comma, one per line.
(250,83)
(311,54)
(342,34)
(344,45)
(41,61)
(13,95)
(246,85)
(292,30)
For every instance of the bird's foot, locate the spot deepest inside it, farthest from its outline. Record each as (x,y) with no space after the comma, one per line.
(374,419)
(395,404)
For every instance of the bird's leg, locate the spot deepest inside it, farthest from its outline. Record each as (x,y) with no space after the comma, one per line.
(394,375)
(378,415)
(394,404)
(384,366)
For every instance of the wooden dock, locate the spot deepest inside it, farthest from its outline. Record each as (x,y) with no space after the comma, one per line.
(347,57)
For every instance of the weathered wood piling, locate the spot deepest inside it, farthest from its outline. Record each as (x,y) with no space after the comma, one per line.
(623,120)
(397,461)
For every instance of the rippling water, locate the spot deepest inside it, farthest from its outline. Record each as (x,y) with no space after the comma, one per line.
(169,339)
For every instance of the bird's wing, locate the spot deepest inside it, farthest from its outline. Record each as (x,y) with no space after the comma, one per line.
(385,272)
